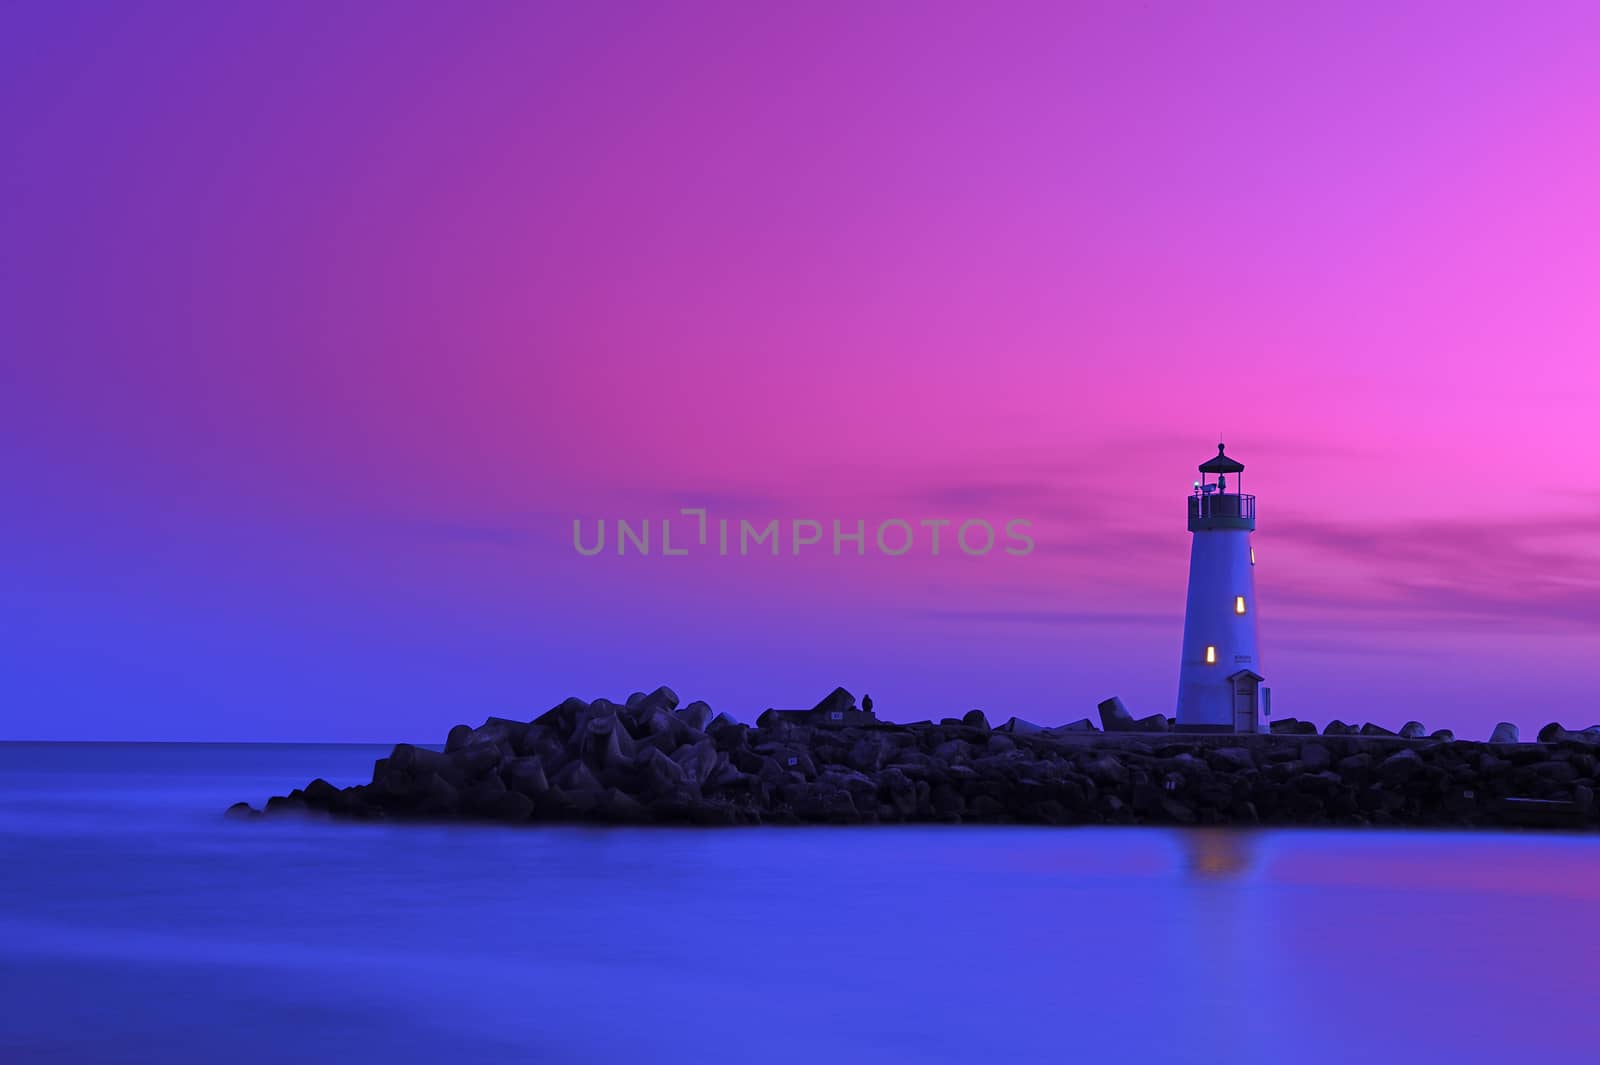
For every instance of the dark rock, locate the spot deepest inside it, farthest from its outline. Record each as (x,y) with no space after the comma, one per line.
(242,811)
(654,763)
(1369,729)
(663,697)
(661,774)
(1293,727)
(563,716)
(696,760)
(1400,766)
(1083,724)
(838,699)
(1315,756)
(319,794)
(437,796)
(286,804)
(1505,732)
(577,778)
(1114,716)
(419,761)
(1444,735)
(1177,811)
(1355,765)
(606,744)
(1107,771)
(525,776)
(697,715)
(1231,759)
(1339,728)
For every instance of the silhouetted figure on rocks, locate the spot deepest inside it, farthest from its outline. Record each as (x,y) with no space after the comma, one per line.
(866,704)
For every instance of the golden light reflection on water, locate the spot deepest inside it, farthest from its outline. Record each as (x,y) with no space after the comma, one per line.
(1215,853)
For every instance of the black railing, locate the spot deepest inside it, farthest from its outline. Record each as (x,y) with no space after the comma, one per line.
(1222,505)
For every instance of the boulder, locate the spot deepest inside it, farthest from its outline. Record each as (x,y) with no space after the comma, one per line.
(663,698)
(563,716)
(1083,724)
(577,779)
(320,795)
(1413,730)
(697,715)
(1505,732)
(1339,728)
(867,753)
(1114,716)
(1444,735)
(437,796)
(659,774)
(1177,811)
(1369,729)
(457,739)
(769,718)
(606,744)
(696,760)
(1231,759)
(420,761)
(513,806)
(1293,727)
(1355,765)
(838,699)
(525,776)
(1019,726)
(1400,766)
(975,719)
(1315,757)
(476,759)
(1107,771)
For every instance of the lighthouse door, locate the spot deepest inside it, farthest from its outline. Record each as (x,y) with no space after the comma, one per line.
(1244,703)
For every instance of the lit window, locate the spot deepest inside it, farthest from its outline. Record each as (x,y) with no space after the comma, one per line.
(1252,556)
(1238,604)
(1211,654)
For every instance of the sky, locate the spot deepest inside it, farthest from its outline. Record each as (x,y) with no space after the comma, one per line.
(321,324)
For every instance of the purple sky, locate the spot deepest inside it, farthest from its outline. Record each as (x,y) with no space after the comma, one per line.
(320,323)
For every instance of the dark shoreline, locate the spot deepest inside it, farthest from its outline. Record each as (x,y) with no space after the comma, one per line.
(651,763)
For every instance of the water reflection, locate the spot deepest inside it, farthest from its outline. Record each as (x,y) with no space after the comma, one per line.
(1217,853)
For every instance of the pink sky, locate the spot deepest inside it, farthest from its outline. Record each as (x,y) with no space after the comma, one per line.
(318,328)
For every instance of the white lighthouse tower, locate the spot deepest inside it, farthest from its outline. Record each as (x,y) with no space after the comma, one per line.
(1219,684)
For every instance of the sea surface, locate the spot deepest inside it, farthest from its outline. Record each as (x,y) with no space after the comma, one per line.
(137,925)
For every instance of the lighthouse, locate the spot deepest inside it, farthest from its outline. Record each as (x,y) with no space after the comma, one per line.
(1219,683)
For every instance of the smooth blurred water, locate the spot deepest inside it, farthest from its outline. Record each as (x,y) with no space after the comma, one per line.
(136,925)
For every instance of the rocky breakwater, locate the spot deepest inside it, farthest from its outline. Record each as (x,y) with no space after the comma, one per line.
(650,761)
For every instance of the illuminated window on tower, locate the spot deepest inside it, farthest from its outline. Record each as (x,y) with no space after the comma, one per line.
(1252,556)
(1238,604)
(1211,654)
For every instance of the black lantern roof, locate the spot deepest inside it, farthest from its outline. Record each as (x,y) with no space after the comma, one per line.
(1221,463)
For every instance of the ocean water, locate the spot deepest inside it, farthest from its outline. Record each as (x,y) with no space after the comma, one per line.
(137,925)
